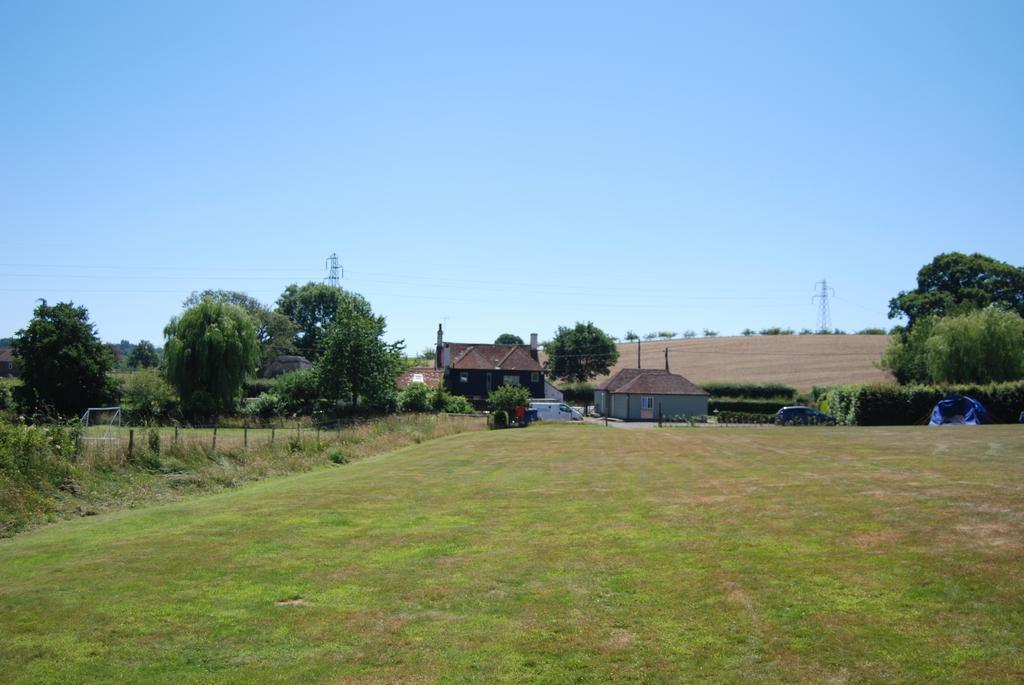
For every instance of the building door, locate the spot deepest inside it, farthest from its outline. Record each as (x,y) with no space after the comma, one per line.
(646,407)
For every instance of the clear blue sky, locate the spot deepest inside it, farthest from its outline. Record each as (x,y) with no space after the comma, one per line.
(510,167)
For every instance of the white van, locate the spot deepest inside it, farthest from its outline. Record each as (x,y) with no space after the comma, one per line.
(556,411)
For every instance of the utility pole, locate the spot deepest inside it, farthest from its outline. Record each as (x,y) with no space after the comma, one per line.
(824,316)
(333,271)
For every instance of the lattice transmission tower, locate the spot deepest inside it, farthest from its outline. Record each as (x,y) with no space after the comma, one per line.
(334,272)
(824,316)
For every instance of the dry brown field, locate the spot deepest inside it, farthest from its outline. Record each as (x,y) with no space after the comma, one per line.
(801,361)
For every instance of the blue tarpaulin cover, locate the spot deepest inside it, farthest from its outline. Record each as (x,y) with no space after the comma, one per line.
(959,410)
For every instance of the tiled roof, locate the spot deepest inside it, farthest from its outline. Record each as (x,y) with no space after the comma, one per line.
(6,354)
(426,374)
(503,357)
(650,382)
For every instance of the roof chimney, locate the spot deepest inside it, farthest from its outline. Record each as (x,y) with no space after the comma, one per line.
(438,350)
(533,345)
(666,359)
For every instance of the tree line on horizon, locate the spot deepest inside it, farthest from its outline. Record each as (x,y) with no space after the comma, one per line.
(964,324)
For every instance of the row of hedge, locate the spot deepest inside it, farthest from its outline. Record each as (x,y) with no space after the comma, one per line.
(754,391)
(746,406)
(744,417)
(907,405)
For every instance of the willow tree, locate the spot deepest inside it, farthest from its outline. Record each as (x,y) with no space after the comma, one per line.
(209,352)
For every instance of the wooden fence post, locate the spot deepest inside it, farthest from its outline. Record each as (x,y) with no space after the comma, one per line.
(215,436)
(245,435)
(131,442)
(273,428)
(175,434)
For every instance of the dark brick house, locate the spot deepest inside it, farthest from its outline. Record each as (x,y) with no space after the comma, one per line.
(8,364)
(473,369)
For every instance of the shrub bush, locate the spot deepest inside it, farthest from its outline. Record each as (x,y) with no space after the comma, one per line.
(6,398)
(264,408)
(746,406)
(34,462)
(457,404)
(415,398)
(905,405)
(146,397)
(754,391)
(579,393)
(254,387)
(507,397)
(744,417)
(299,391)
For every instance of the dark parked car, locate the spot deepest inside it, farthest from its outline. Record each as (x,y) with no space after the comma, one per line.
(803,416)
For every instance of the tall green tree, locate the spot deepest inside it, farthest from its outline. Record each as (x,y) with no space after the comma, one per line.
(209,352)
(508,339)
(580,353)
(147,395)
(274,330)
(904,356)
(955,283)
(64,365)
(356,365)
(313,308)
(143,356)
(983,346)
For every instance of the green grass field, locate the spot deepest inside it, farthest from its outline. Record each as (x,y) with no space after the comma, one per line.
(556,554)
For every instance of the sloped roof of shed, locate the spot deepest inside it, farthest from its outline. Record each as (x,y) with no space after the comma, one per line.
(650,382)
(504,357)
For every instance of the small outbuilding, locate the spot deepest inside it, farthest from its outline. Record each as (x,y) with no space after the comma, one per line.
(646,394)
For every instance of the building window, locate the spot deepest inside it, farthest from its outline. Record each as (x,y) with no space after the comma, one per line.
(534,377)
(647,403)
(511,380)
(464,376)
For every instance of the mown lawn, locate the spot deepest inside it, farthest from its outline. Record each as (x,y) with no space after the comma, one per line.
(556,554)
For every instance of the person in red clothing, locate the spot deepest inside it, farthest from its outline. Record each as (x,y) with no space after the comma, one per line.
(520,414)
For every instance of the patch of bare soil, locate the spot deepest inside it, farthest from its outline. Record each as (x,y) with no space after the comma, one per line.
(290,602)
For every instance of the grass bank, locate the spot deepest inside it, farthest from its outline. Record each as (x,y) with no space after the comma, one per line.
(46,476)
(549,555)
